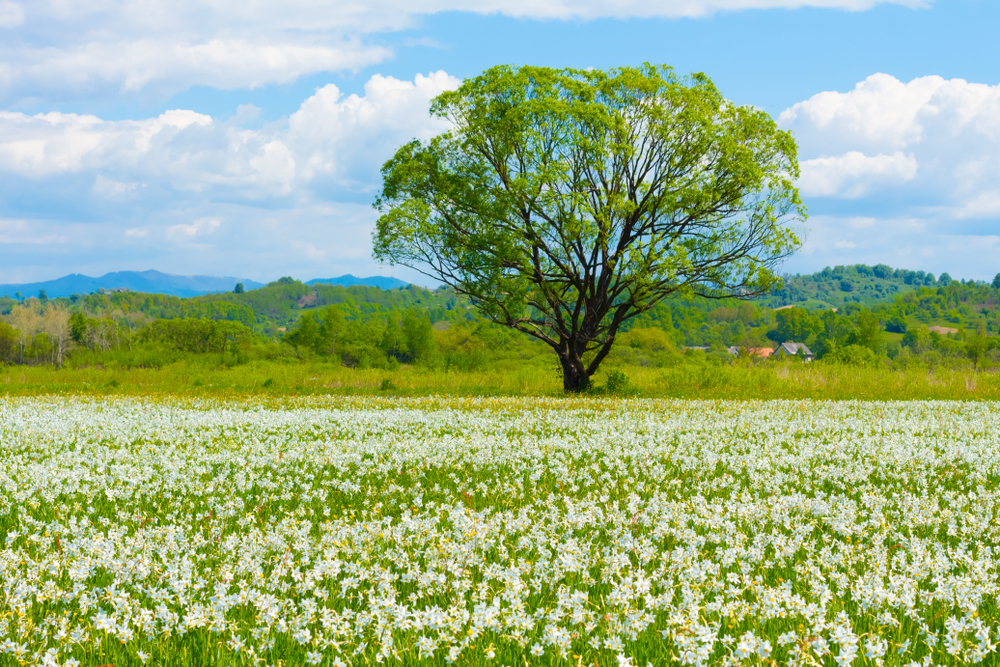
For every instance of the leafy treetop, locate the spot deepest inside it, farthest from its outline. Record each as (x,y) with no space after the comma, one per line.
(564,202)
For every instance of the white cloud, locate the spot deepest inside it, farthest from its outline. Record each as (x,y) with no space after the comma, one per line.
(985,205)
(345,141)
(251,242)
(853,174)
(332,143)
(593,9)
(11,14)
(903,242)
(883,114)
(75,50)
(881,110)
(272,197)
(111,189)
(52,143)
(879,132)
(199,227)
(916,169)
(164,66)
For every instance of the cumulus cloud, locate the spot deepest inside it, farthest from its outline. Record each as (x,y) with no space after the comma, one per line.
(344,141)
(985,205)
(927,149)
(949,128)
(883,114)
(853,174)
(183,179)
(333,143)
(60,51)
(52,143)
(881,111)
(905,172)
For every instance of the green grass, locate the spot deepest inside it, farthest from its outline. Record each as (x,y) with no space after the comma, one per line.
(740,380)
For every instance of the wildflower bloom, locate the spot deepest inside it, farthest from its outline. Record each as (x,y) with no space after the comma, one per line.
(362,530)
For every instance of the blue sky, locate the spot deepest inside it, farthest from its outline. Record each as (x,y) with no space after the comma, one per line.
(245,138)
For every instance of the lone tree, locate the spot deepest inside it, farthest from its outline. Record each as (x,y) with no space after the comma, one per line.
(564,202)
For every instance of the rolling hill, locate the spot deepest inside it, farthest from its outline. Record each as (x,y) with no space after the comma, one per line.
(157,282)
(150,282)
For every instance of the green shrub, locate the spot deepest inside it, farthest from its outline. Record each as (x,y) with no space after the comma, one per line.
(618,383)
(854,355)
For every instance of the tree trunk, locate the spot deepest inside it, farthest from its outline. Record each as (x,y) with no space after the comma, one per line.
(575,377)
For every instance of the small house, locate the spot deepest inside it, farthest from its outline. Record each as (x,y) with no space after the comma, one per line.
(794,350)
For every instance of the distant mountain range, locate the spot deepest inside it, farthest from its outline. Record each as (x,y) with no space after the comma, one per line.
(156,282)
(385,282)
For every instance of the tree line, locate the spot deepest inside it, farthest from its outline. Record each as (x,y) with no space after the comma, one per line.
(371,335)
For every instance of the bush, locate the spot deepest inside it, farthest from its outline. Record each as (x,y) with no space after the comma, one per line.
(618,383)
(854,355)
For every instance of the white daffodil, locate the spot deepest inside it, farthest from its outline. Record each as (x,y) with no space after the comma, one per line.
(379,530)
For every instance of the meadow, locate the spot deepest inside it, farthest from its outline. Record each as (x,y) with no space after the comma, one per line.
(694,376)
(506,531)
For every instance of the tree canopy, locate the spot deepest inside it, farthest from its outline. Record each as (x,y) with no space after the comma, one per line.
(564,202)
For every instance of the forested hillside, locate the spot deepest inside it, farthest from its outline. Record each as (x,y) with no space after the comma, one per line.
(855,314)
(268,310)
(858,283)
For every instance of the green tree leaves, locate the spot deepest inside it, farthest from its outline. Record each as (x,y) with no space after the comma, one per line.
(868,331)
(564,202)
(796,325)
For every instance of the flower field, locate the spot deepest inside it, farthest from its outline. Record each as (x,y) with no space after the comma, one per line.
(502,532)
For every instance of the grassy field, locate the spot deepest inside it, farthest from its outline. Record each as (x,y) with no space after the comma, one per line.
(740,380)
(497,531)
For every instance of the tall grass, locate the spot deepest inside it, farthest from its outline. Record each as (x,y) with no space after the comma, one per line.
(735,381)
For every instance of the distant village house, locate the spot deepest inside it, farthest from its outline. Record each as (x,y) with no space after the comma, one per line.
(794,350)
